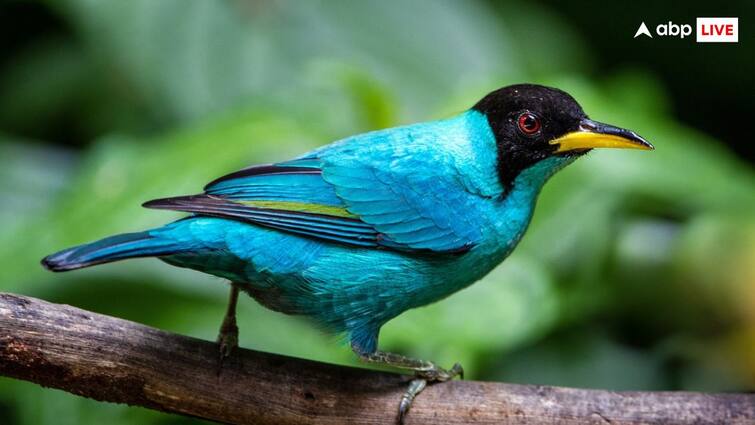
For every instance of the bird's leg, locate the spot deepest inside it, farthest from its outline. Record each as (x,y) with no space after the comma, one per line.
(228,337)
(425,371)
(422,368)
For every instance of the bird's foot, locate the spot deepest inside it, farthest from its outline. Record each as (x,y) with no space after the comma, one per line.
(228,337)
(431,373)
(425,372)
(228,340)
(435,373)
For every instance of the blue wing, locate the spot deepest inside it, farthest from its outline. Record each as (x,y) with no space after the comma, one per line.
(400,189)
(289,196)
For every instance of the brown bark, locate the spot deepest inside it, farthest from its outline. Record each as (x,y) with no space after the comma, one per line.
(114,360)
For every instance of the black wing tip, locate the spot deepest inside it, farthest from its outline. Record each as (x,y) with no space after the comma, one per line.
(156,203)
(169,203)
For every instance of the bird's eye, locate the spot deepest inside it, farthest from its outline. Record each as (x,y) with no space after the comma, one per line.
(529,123)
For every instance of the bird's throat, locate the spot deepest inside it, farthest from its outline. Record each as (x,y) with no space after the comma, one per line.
(515,209)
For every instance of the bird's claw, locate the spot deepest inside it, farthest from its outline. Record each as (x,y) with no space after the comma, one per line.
(228,340)
(227,343)
(434,373)
(438,374)
(415,387)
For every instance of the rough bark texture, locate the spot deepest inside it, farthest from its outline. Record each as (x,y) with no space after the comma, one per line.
(114,360)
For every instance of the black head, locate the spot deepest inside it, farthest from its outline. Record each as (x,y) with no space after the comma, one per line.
(532,122)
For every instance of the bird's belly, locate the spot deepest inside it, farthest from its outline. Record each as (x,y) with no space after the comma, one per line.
(341,287)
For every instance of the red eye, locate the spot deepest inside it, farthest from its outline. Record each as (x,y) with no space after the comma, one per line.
(529,123)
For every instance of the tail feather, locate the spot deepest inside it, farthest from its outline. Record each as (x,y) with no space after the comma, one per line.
(114,248)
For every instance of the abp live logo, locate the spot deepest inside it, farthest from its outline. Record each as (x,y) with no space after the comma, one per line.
(709,30)
(717,30)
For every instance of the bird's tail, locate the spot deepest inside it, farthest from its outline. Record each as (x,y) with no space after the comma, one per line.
(114,248)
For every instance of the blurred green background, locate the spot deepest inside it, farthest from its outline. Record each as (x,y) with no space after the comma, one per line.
(638,271)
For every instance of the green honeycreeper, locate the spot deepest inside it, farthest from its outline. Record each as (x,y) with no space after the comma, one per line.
(358,231)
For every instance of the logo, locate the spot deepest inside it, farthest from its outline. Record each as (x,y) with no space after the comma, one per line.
(717,30)
(643,30)
(709,30)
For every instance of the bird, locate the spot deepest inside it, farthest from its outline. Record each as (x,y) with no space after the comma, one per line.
(356,232)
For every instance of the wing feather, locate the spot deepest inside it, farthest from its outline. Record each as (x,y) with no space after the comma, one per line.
(398,189)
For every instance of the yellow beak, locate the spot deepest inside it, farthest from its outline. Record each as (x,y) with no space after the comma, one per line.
(593,134)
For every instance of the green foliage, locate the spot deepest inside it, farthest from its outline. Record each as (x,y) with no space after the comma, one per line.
(655,249)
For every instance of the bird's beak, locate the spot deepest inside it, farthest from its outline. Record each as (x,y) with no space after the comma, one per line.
(593,134)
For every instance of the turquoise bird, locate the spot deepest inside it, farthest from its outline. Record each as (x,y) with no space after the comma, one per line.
(358,231)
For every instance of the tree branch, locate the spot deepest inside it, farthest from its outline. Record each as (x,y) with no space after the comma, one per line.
(114,360)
